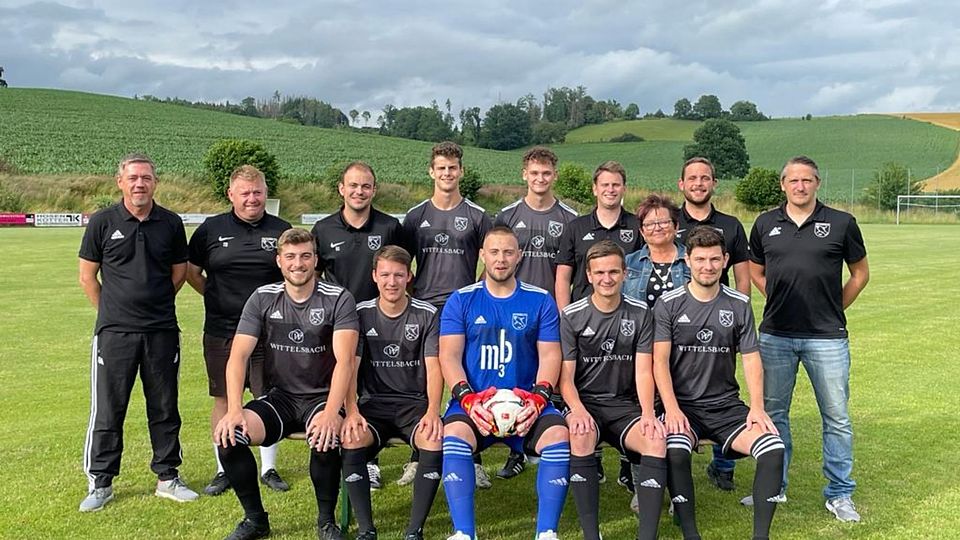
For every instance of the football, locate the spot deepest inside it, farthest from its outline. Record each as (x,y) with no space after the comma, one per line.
(504,405)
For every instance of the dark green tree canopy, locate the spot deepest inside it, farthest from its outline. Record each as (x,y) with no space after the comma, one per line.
(707,107)
(631,112)
(890,180)
(760,189)
(682,109)
(721,142)
(505,127)
(745,111)
(225,155)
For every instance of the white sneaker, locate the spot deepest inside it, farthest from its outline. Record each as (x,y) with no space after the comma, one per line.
(97,499)
(547,535)
(843,509)
(460,536)
(373,473)
(483,481)
(635,504)
(175,490)
(409,474)
(779,498)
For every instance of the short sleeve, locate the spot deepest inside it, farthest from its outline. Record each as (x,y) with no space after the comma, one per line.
(409,232)
(566,254)
(756,244)
(645,333)
(549,328)
(451,319)
(485,225)
(748,342)
(251,319)
(662,323)
(317,231)
(345,313)
(198,247)
(431,341)
(180,253)
(854,248)
(740,251)
(91,247)
(568,339)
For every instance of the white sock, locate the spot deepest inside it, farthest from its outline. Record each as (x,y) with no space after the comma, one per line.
(216,457)
(268,458)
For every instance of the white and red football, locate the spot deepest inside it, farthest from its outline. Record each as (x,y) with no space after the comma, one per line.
(504,405)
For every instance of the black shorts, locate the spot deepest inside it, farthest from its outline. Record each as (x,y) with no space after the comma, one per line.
(284,413)
(216,352)
(720,423)
(390,419)
(614,418)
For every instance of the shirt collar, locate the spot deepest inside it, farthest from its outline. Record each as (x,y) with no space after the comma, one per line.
(709,219)
(365,227)
(621,219)
(817,214)
(127,216)
(243,222)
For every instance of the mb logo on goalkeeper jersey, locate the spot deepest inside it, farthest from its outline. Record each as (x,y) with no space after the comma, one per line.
(496,357)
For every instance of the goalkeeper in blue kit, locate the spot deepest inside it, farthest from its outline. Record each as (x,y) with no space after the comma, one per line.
(494,334)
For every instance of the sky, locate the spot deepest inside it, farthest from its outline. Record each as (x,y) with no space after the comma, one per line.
(791,57)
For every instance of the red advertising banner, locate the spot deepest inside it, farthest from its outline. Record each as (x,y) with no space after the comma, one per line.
(15,219)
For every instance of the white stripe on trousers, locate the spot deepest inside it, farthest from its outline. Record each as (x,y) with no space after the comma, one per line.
(88,444)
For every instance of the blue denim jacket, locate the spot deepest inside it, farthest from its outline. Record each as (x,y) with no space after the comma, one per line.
(640,267)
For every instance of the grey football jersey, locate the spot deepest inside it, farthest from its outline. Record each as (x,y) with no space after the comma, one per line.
(447,246)
(539,235)
(705,338)
(297,338)
(604,346)
(392,350)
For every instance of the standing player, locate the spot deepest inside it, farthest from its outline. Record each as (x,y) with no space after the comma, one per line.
(232,254)
(697,183)
(502,333)
(607,351)
(538,220)
(400,390)
(446,232)
(347,239)
(797,254)
(699,329)
(309,330)
(139,250)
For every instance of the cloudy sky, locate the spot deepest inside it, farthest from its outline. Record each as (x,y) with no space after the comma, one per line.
(790,57)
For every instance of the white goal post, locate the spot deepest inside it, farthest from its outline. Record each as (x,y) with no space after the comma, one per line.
(935,202)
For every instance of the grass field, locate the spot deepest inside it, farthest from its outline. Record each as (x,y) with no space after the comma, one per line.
(904,402)
(949,178)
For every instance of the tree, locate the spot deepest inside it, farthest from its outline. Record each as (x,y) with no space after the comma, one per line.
(707,107)
(225,155)
(631,112)
(721,142)
(505,127)
(470,123)
(420,123)
(574,183)
(366,117)
(890,180)
(745,111)
(760,189)
(549,132)
(354,114)
(682,109)
(470,183)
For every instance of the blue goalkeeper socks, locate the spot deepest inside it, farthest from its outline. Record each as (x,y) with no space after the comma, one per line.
(459,484)
(552,475)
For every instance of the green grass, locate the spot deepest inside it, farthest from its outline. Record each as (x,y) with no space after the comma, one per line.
(903,386)
(651,129)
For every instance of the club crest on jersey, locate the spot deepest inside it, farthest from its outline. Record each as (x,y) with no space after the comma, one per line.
(607,345)
(726,318)
(555,228)
(627,327)
(296,335)
(392,350)
(626,235)
(705,335)
(460,223)
(268,244)
(537,242)
(442,238)
(821,230)
(519,321)
(411,331)
(316,316)
(374,242)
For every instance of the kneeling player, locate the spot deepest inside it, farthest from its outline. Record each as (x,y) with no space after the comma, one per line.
(699,329)
(491,336)
(400,391)
(607,351)
(310,333)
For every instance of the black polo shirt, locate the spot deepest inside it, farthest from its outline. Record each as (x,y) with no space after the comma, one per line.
(804,270)
(136,260)
(734,236)
(345,253)
(237,257)
(583,232)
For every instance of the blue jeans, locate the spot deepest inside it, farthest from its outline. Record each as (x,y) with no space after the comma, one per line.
(827,363)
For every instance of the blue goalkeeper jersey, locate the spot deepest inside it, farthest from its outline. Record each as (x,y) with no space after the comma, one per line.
(501,334)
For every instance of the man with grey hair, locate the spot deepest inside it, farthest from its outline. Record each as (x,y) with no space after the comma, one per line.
(797,254)
(133,260)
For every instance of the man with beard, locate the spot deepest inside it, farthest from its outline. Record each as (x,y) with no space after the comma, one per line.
(502,333)
(230,256)
(699,329)
(309,330)
(697,183)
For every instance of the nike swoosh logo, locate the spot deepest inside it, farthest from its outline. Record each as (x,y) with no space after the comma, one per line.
(335,245)
(225,238)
